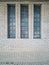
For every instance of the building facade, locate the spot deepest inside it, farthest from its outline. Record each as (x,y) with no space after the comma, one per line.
(24,32)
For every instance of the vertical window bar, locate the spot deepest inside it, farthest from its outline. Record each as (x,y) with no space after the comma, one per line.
(24,21)
(11,21)
(37,21)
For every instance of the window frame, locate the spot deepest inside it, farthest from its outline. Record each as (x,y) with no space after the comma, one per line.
(27,21)
(40,22)
(7,20)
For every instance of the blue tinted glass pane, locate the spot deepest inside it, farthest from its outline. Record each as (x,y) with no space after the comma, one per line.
(11,21)
(37,21)
(24,21)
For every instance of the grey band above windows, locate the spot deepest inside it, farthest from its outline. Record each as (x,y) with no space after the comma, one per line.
(24,24)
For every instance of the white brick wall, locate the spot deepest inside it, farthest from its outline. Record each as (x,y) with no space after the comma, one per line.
(34,50)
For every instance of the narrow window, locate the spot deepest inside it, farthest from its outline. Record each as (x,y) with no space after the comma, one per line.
(37,21)
(11,21)
(24,21)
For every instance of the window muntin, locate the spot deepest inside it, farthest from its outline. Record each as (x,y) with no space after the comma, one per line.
(24,21)
(37,21)
(11,21)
